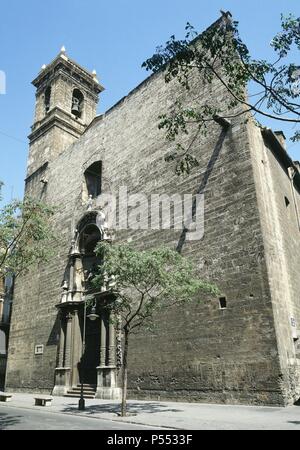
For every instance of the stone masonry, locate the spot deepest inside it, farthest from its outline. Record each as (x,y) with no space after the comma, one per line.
(247,352)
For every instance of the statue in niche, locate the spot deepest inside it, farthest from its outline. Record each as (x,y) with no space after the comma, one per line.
(102,224)
(90,203)
(89,274)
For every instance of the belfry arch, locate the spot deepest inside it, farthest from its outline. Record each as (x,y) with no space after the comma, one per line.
(93,364)
(77,103)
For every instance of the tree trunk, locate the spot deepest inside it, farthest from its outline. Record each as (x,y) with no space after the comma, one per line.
(124,378)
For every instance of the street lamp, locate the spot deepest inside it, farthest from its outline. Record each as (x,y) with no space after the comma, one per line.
(92,316)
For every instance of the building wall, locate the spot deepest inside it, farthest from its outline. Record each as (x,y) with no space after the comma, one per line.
(197,353)
(6,287)
(48,147)
(282,249)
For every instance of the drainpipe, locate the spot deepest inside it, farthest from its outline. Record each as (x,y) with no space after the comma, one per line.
(292,173)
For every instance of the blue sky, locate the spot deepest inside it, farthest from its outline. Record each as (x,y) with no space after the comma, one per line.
(114,37)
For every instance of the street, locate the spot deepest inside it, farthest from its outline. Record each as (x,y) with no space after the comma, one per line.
(22,414)
(27,419)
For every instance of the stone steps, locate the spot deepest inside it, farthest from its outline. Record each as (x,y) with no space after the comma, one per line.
(73,395)
(89,391)
(85,388)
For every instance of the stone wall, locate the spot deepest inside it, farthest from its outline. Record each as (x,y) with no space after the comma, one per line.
(202,352)
(282,251)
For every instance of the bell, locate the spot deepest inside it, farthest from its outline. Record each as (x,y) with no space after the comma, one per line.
(75,107)
(75,110)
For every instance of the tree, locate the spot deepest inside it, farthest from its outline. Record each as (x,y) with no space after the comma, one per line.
(220,54)
(145,282)
(25,235)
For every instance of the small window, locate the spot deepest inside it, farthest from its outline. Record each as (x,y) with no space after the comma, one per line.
(77,103)
(93,178)
(223,302)
(38,349)
(47,99)
(287,202)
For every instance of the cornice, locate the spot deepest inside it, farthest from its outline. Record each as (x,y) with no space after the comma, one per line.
(62,65)
(57,120)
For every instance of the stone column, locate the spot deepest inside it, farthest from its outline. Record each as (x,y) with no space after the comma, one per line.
(2,285)
(77,347)
(103,334)
(111,345)
(68,340)
(77,277)
(1,308)
(71,281)
(106,372)
(63,372)
(1,298)
(61,355)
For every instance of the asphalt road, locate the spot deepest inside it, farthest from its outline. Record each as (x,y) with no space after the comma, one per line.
(26,419)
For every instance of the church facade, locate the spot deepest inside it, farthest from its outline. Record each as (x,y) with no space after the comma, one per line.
(242,347)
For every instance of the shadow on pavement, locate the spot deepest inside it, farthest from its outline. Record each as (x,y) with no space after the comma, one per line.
(7,420)
(132,408)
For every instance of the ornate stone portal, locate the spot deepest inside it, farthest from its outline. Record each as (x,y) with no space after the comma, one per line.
(95,363)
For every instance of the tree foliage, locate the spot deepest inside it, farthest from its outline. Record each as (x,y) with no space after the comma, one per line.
(219,54)
(143,284)
(147,281)
(25,235)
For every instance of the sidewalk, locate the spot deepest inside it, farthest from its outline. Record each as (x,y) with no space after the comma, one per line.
(173,415)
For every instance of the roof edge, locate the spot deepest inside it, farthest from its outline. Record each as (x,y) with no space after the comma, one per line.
(281,153)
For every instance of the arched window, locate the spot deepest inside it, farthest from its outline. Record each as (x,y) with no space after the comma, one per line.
(77,103)
(47,99)
(93,179)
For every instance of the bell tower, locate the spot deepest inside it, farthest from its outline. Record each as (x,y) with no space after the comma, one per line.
(66,103)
